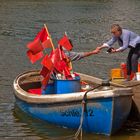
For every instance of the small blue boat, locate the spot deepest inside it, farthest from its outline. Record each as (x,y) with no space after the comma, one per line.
(105,109)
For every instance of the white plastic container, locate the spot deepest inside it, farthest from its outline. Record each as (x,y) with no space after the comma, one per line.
(138,76)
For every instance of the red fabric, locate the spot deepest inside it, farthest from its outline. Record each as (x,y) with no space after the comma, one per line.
(65,43)
(55,56)
(60,66)
(47,43)
(67,72)
(44,71)
(35,46)
(42,35)
(35,91)
(59,60)
(46,62)
(46,79)
(76,74)
(63,55)
(34,57)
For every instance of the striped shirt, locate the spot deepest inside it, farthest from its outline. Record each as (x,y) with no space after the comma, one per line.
(73,56)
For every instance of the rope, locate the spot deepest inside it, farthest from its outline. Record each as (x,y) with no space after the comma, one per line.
(79,131)
(81,121)
(83,111)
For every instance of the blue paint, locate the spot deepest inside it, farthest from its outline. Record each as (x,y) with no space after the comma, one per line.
(67,86)
(49,89)
(63,86)
(103,116)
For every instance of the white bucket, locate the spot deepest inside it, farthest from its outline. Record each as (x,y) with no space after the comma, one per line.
(138,76)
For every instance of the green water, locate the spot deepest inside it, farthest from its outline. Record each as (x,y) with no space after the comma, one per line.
(87,23)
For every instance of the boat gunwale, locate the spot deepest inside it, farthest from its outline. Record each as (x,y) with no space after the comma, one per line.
(58,98)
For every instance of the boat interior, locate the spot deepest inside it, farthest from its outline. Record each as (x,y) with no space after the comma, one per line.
(31,82)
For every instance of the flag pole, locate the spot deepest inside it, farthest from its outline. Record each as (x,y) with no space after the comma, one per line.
(49,36)
(70,63)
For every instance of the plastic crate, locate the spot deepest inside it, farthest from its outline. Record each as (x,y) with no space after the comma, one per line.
(67,86)
(50,89)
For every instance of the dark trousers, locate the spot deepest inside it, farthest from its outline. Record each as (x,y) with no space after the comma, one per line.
(132,59)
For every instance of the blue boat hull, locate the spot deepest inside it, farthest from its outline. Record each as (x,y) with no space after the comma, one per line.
(105,110)
(103,116)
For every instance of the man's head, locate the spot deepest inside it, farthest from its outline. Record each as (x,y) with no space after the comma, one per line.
(116,30)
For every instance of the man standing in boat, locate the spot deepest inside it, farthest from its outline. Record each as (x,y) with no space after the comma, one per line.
(126,39)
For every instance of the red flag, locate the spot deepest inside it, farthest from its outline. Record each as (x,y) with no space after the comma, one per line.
(67,72)
(46,79)
(35,46)
(44,71)
(59,60)
(55,56)
(65,42)
(42,35)
(60,66)
(47,43)
(34,57)
(46,62)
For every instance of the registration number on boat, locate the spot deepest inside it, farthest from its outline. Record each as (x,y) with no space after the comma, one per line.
(76,113)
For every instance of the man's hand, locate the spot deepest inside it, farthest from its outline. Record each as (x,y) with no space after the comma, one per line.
(110,50)
(113,50)
(101,47)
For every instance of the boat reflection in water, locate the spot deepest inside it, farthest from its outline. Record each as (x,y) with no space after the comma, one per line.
(38,128)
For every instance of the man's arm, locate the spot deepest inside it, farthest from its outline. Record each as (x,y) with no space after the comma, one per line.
(73,56)
(111,41)
(91,52)
(108,44)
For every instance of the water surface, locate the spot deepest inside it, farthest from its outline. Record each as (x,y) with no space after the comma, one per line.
(87,23)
